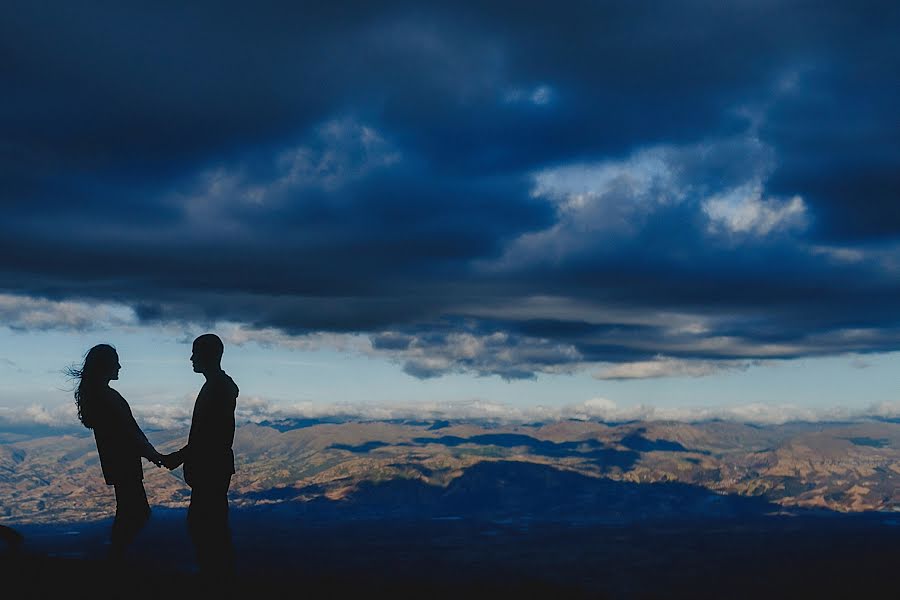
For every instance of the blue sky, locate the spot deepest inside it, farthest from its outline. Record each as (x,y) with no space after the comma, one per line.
(281,382)
(667,206)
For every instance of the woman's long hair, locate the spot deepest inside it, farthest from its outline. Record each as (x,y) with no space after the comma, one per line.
(92,376)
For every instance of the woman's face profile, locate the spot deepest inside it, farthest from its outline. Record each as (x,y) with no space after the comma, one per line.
(114,367)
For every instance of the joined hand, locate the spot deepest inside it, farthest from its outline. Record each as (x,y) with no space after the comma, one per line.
(157,459)
(172,461)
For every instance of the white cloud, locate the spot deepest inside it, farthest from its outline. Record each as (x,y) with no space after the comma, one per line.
(595,205)
(257,410)
(240,334)
(36,414)
(604,409)
(669,367)
(338,152)
(744,210)
(344,150)
(601,204)
(612,194)
(495,353)
(839,254)
(162,415)
(27,313)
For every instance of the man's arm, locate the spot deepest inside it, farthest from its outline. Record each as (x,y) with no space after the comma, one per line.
(213,427)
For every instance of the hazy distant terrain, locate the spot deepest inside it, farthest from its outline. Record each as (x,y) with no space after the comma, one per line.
(477,509)
(562,469)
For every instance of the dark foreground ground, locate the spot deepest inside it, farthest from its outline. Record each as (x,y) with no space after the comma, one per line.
(282,555)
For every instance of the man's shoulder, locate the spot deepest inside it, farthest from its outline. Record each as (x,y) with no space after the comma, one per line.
(223,384)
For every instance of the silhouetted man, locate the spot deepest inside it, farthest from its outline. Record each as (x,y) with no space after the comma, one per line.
(209,460)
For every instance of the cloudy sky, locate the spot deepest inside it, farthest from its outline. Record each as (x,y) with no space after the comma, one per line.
(673,206)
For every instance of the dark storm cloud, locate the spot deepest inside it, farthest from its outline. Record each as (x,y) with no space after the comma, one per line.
(504,188)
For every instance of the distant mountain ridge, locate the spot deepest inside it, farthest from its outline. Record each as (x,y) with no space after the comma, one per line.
(323,462)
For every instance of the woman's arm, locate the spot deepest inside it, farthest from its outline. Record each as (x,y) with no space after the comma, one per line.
(145,448)
(133,431)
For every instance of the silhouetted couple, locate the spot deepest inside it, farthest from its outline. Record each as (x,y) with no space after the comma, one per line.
(208,458)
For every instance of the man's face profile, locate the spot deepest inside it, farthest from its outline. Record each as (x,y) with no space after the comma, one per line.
(196,360)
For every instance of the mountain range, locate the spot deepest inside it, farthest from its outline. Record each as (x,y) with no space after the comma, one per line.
(441,466)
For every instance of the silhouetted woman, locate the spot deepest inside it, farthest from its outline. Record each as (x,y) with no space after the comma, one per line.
(120,442)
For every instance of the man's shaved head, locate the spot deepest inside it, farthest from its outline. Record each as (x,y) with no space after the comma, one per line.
(209,347)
